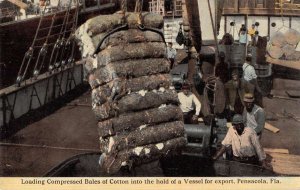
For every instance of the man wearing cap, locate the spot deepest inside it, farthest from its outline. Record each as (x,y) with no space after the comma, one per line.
(222,70)
(253,115)
(234,92)
(244,143)
(189,104)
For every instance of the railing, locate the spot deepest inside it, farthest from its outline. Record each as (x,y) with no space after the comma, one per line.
(263,7)
(159,7)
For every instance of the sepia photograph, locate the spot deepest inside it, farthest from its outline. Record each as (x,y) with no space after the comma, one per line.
(173,91)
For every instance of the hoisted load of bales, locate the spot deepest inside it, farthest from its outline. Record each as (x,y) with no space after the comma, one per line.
(283,45)
(139,119)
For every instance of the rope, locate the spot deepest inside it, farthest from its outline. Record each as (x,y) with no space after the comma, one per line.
(139,9)
(123,10)
(47,147)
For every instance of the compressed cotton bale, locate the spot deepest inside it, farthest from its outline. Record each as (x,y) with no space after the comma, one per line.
(288,50)
(131,51)
(112,163)
(135,102)
(142,136)
(129,69)
(278,39)
(294,57)
(292,37)
(104,23)
(275,52)
(152,82)
(128,36)
(131,121)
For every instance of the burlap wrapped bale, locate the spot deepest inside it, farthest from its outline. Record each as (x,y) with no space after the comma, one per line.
(135,102)
(91,32)
(130,68)
(105,23)
(132,96)
(294,57)
(275,52)
(132,51)
(292,37)
(131,121)
(278,40)
(129,36)
(288,50)
(113,163)
(142,136)
(152,82)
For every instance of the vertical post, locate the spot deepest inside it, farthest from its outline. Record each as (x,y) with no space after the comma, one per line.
(225,24)
(3,96)
(236,6)
(269,23)
(1,75)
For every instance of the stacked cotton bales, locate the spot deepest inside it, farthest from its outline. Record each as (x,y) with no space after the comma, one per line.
(283,45)
(133,98)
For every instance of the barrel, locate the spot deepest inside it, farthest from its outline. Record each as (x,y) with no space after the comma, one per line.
(264,77)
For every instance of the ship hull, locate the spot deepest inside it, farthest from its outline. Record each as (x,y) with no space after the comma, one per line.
(16,37)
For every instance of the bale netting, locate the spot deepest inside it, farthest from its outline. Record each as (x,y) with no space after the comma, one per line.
(137,108)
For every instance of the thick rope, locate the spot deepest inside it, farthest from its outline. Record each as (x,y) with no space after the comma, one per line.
(123,10)
(139,9)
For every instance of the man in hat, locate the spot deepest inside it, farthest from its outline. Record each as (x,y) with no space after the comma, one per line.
(250,76)
(189,104)
(244,143)
(222,70)
(253,115)
(234,92)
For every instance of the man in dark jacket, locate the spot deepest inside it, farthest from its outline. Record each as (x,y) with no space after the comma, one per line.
(222,70)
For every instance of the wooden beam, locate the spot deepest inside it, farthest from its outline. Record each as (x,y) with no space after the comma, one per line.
(270,127)
(277,150)
(284,63)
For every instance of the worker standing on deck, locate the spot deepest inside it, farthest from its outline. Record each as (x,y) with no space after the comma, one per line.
(222,70)
(189,104)
(235,90)
(250,76)
(253,115)
(252,31)
(244,143)
(171,54)
(243,35)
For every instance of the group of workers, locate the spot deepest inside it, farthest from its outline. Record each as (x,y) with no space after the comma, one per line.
(242,141)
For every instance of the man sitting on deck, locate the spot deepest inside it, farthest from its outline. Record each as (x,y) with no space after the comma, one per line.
(244,142)
(187,103)
(253,115)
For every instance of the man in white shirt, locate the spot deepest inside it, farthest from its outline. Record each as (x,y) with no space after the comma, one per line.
(189,104)
(171,52)
(250,76)
(244,143)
